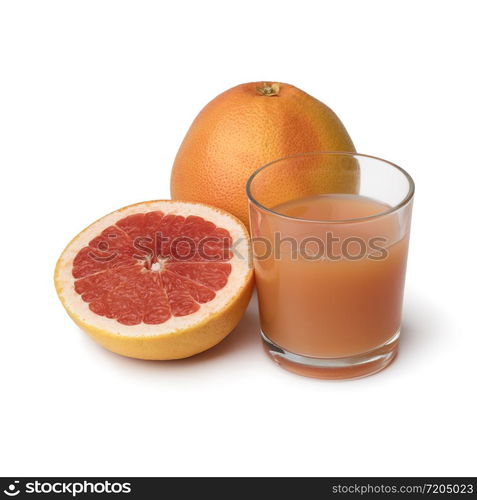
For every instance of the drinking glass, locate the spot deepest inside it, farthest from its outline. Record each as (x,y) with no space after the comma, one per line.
(330,234)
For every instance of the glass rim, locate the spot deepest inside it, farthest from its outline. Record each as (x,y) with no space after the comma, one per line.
(407,198)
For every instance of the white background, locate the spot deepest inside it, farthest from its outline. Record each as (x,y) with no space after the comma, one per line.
(95,98)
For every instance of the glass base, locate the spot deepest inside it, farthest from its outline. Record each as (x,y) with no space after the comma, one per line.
(357,366)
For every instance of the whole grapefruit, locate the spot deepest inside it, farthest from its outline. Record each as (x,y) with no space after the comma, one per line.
(246,127)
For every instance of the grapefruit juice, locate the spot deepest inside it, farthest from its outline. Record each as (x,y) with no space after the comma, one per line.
(336,292)
(330,234)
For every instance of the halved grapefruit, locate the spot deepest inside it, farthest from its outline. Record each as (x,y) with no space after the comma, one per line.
(158,280)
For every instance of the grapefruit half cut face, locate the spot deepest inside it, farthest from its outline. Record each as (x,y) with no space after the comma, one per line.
(159,279)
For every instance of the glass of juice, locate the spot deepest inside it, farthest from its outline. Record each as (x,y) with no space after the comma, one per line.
(330,233)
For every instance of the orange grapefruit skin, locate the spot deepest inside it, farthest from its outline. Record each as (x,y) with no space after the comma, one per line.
(178,344)
(241,130)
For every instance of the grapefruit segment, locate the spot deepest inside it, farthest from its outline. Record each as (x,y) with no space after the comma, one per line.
(148,276)
(212,275)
